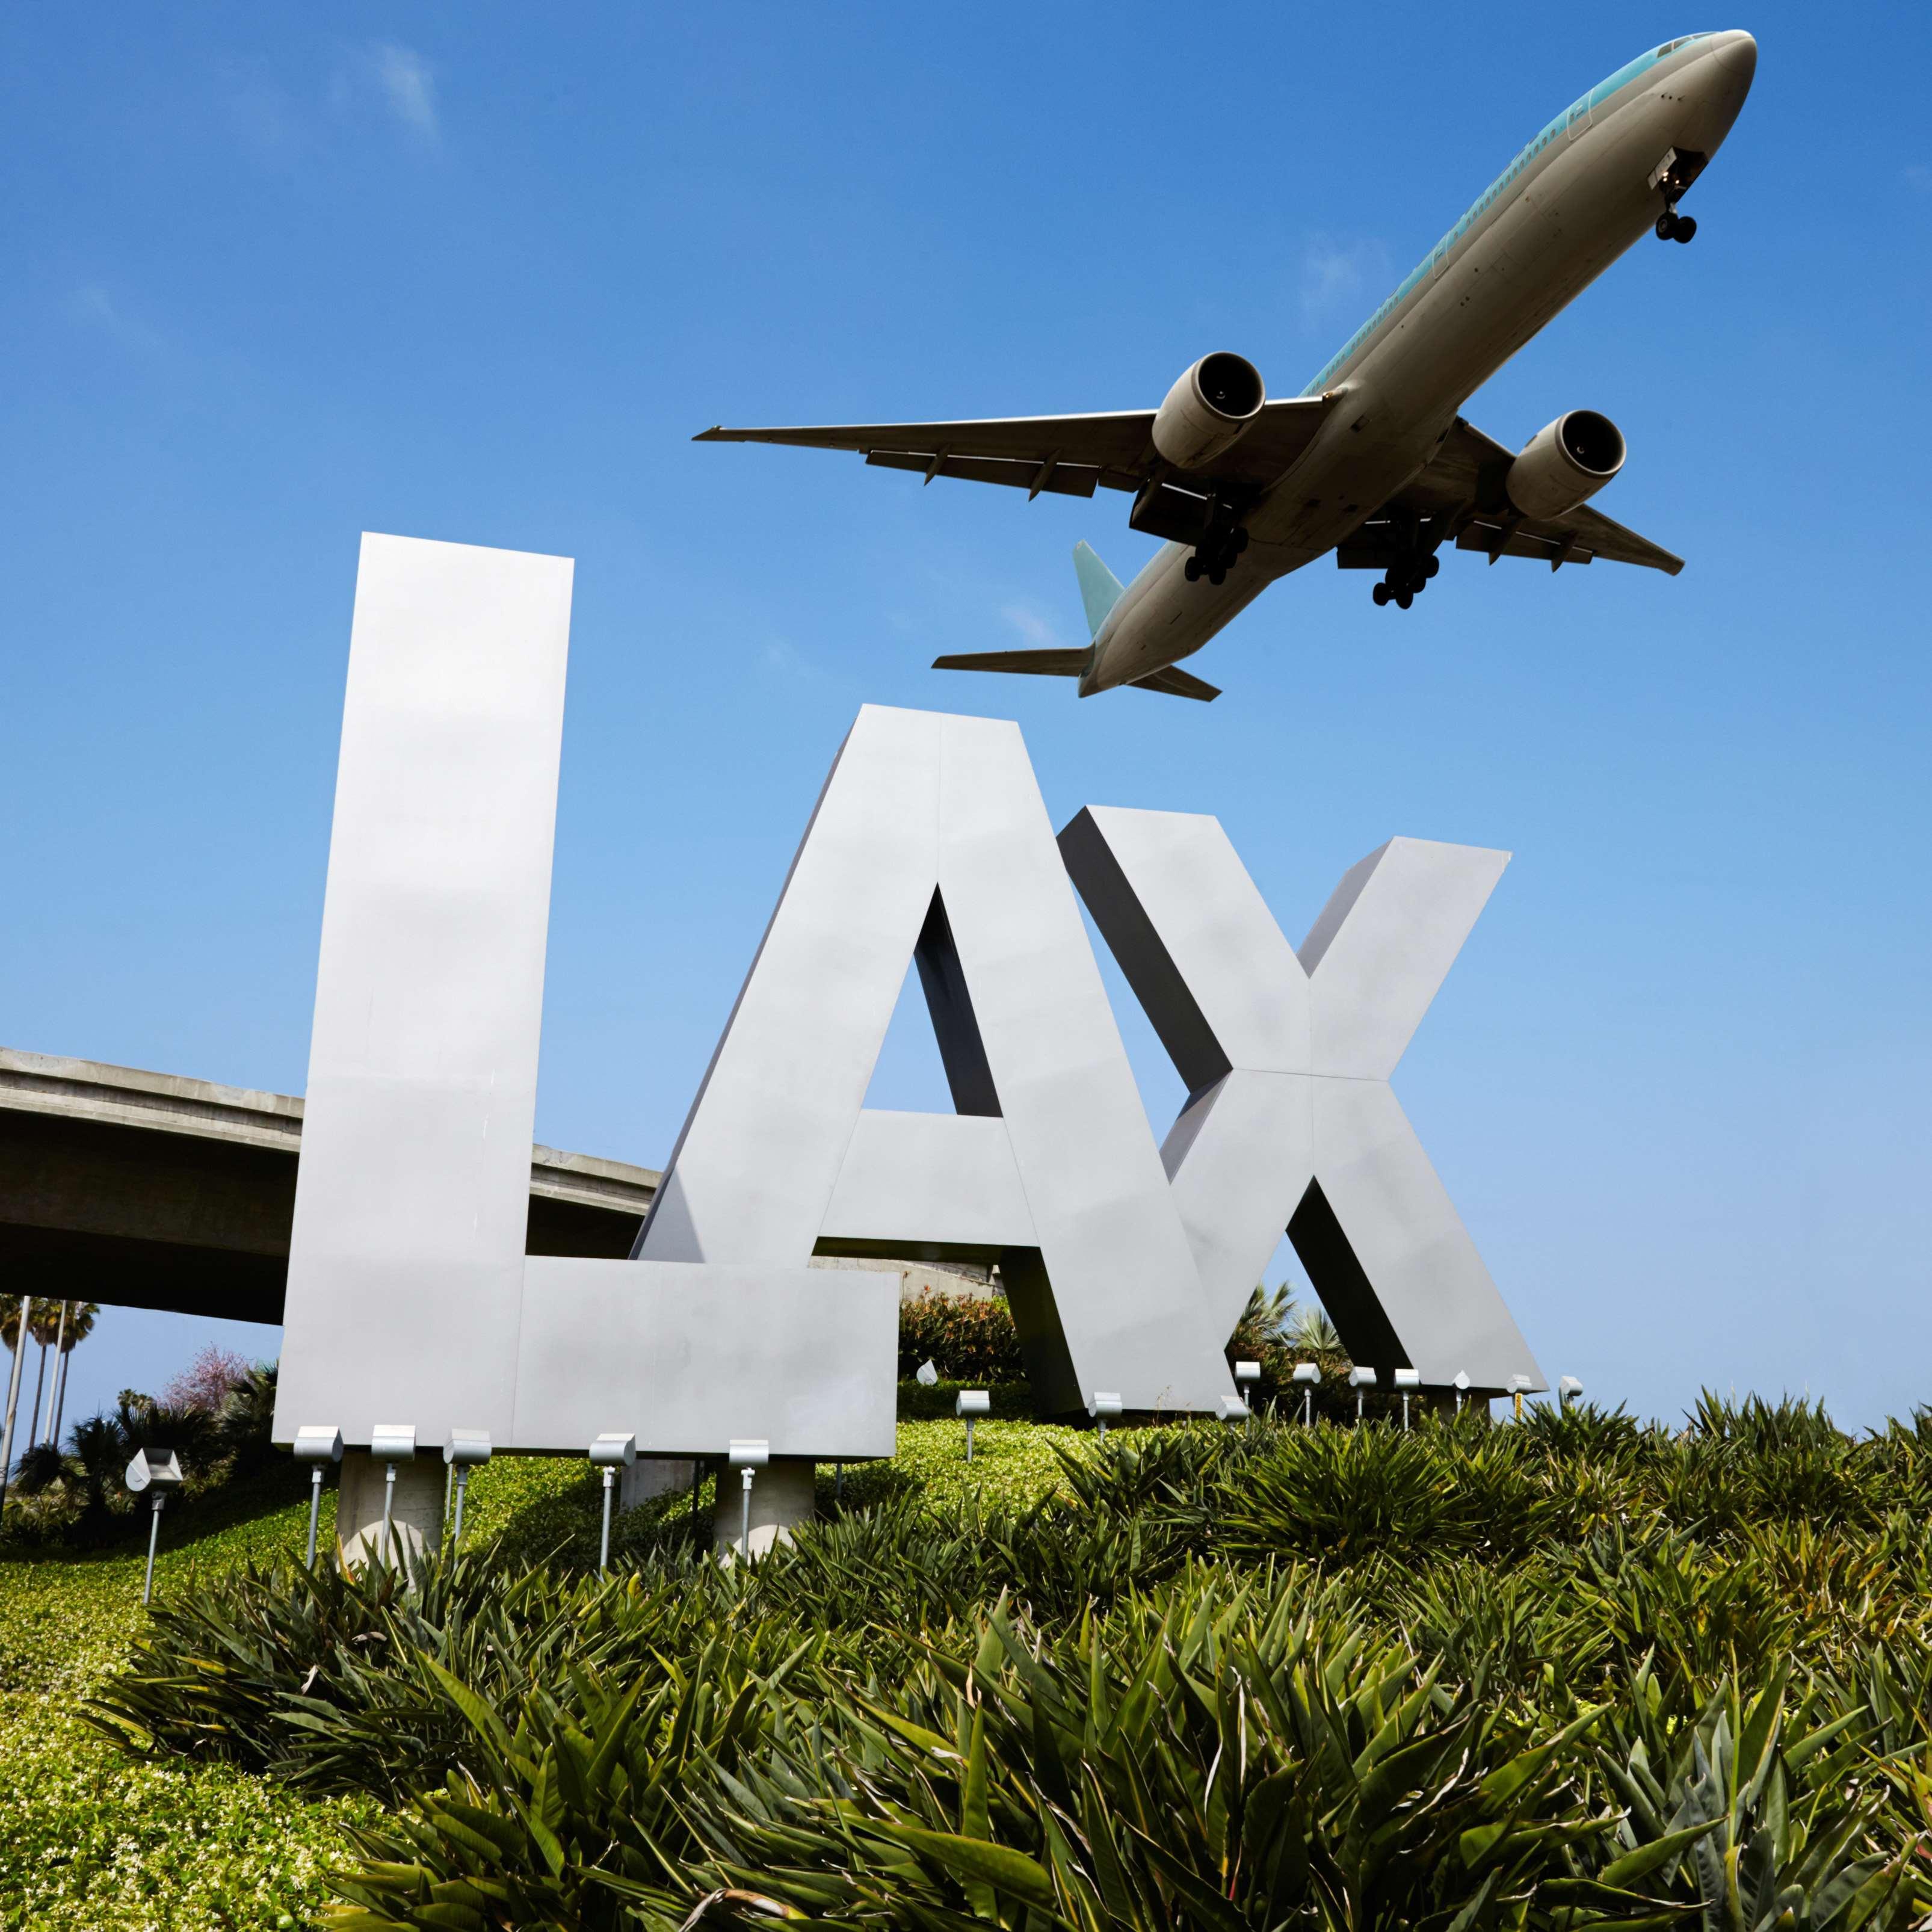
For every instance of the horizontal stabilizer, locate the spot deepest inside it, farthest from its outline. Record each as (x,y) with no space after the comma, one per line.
(1037,664)
(1177,683)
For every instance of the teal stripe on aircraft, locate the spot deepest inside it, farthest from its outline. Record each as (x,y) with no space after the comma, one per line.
(1589,103)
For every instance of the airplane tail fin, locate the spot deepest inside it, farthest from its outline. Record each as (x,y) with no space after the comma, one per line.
(1038,664)
(1100,590)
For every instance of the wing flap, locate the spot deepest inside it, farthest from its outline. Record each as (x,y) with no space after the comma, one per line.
(1058,479)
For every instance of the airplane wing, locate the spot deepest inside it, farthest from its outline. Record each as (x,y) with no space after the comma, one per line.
(1463,485)
(1065,456)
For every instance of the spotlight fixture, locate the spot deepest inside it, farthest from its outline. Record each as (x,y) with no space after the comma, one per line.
(466,1449)
(1233,1409)
(749,1454)
(1308,1374)
(611,1453)
(391,1443)
(317,1444)
(159,1470)
(1407,1380)
(1360,1380)
(1517,1384)
(970,1405)
(1567,1390)
(926,1375)
(1462,1388)
(1105,1408)
(1247,1379)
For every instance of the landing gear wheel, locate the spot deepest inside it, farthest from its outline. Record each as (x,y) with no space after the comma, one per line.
(1380,593)
(1237,542)
(1429,569)
(1191,570)
(1667,225)
(1404,599)
(1217,577)
(1687,226)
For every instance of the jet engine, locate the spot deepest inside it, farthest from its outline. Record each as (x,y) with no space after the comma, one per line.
(1564,464)
(1208,411)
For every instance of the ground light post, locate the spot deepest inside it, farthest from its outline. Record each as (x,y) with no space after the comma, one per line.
(318,1445)
(469,1449)
(1232,1409)
(1568,1390)
(391,1443)
(1408,1380)
(159,1470)
(1105,1408)
(1247,1380)
(1517,1384)
(749,1454)
(969,1406)
(1461,1387)
(611,1453)
(1360,1380)
(1308,1378)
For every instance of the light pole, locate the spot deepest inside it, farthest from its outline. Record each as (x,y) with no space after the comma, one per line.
(611,1453)
(1567,1390)
(1359,1380)
(1233,1409)
(970,1405)
(317,1444)
(466,1449)
(748,1454)
(1308,1374)
(391,1443)
(1105,1408)
(1462,1388)
(159,1470)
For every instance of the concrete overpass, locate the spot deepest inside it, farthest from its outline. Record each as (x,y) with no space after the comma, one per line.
(148,1190)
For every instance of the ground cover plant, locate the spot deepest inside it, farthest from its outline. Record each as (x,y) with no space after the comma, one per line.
(1576,1672)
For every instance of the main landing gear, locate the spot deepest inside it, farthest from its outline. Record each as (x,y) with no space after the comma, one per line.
(1671,226)
(1214,555)
(1405,582)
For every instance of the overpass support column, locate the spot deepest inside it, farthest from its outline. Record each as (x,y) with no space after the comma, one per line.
(415,1522)
(781,1499)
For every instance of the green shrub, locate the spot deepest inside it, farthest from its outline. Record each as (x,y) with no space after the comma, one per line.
(970,1339)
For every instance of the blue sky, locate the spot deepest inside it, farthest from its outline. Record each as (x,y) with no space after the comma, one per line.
(479,273)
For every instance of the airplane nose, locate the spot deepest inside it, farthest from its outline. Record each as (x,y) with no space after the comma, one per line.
(1722,78)
(1736,58)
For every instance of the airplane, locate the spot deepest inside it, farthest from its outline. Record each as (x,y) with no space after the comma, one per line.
(1373,460)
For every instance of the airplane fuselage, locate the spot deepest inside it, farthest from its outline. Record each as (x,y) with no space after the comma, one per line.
(1574,199)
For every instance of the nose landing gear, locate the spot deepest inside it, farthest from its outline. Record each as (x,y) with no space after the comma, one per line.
(1679,169)
(1406,581)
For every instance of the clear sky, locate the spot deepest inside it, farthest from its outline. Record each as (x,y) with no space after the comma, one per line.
(277,276)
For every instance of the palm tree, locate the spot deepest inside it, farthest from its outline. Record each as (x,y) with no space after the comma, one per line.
(42,1324)
(78,1325)
(1313,1333)
(14,1317)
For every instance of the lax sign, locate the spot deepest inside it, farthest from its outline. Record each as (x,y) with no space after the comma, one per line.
(1127,1262)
